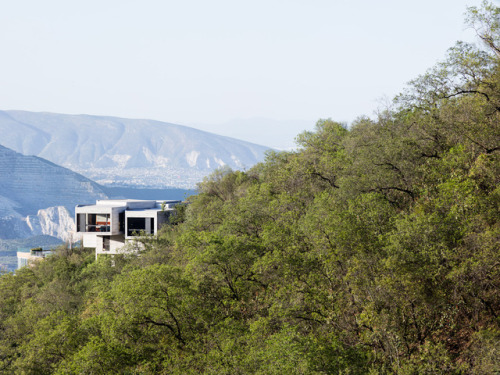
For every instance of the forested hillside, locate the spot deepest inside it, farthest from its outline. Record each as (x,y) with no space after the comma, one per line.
(373,249)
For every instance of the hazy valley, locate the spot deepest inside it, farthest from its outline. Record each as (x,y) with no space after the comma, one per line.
(112,150)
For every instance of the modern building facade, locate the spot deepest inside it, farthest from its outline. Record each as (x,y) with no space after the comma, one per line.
(28,258)
(109,224)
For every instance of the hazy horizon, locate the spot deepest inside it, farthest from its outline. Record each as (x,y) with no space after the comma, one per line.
(261,71)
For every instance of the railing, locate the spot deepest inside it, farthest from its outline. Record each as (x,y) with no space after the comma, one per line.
(98,228)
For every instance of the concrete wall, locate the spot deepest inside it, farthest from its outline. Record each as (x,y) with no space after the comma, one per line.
(116,243)
(115,220)
(134,205)
(162,219)
(89,240)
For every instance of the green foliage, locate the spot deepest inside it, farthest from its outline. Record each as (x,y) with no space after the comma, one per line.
(179,214)
(373,249)
(485,21)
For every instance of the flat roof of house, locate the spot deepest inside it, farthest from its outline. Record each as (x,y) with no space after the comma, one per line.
(135,204)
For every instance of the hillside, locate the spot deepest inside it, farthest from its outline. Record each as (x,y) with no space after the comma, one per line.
(373,249)
(38,197)
(125,151)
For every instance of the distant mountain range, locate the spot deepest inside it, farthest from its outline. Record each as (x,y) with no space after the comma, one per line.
(48,163)
(120,151)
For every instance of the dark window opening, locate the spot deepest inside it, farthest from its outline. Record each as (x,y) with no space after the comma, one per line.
(121,219)
(80,222)
(135,225)
(105,243)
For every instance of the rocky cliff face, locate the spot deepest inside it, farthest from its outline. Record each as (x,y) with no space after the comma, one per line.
(53,221)
(38,197)
(134,152)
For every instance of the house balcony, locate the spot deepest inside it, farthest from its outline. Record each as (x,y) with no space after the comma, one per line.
(98,228)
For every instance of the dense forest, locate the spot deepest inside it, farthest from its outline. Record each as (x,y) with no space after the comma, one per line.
(371,249)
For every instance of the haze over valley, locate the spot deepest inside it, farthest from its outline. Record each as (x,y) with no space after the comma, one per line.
(126,152)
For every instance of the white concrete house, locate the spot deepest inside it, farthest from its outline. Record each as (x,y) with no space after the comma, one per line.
(109,224)
(28,258)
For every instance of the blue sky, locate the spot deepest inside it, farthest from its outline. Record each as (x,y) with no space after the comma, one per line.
(258,70)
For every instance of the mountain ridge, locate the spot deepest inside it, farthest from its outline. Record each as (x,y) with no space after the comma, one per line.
(106,147)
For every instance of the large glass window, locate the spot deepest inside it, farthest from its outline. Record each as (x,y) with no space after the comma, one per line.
(93,223)
(136,225)
(98,223)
